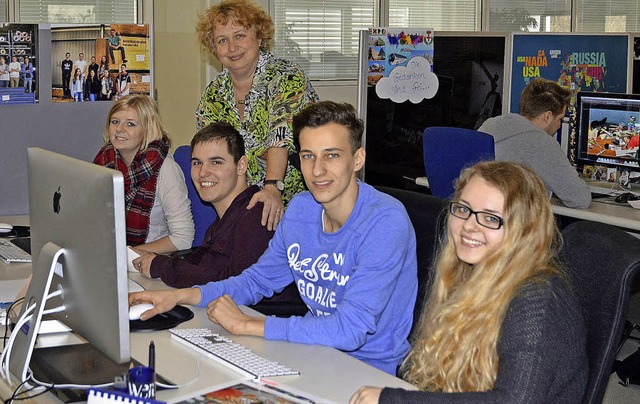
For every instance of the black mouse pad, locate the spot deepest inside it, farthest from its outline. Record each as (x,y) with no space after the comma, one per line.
(163,321)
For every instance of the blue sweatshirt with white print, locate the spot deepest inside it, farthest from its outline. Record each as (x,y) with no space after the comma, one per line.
(359,283)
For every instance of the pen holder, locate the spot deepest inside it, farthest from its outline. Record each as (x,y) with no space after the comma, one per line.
(141,382)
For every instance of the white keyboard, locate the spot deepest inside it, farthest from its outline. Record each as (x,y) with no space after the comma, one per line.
(594,189)
(229,353)
(10,252)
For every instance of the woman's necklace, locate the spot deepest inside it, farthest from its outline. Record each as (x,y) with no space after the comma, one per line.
(240,105)
(241,93)
(241,98)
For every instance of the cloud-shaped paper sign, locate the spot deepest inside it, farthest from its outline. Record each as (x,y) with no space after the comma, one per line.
(413,82)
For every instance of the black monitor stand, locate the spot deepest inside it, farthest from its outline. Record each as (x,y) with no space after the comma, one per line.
(80,364)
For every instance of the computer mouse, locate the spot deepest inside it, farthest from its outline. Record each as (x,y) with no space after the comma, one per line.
(137,309)
(5,228)
(163,321)
(626,197)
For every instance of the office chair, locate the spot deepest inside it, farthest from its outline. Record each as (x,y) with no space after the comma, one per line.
(427,214)
(202,212)
(448,150)
(602,262)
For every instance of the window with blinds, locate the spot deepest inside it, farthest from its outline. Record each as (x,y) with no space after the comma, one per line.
(608,16)
(530,15)
(441,15)
(322,35)
(78,11)
(3,11)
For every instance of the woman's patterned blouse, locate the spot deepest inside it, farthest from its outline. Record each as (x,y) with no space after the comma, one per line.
(280,89)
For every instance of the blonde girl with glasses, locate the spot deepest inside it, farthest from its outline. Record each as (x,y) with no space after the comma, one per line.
(501,323)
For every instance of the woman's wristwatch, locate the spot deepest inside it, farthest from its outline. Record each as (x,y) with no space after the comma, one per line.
(276,183)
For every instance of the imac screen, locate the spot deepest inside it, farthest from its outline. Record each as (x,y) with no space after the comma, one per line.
(77,211)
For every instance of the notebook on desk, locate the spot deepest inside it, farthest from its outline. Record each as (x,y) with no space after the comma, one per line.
(251,391)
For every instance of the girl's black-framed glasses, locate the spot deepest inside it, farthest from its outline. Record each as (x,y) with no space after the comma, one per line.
(484,219)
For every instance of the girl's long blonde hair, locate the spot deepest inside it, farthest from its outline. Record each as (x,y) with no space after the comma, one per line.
(456,349)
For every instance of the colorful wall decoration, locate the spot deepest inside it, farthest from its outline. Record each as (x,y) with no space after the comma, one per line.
(400,63)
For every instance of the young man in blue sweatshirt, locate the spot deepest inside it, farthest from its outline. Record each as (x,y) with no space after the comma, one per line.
(349,248)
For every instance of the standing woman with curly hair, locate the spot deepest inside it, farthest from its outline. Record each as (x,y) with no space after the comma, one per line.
(258,94)
(501,323)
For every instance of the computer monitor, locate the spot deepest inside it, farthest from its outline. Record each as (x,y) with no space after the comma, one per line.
(607,129)
(78,208)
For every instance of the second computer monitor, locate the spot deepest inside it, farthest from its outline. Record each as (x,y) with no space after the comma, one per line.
(608,129)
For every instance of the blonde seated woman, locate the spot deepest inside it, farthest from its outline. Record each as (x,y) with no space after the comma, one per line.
(501,323)
(158,210)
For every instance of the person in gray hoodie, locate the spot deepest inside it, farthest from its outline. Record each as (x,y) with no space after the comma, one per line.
(528,138)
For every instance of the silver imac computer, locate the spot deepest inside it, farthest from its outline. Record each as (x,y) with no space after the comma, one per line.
(77,219)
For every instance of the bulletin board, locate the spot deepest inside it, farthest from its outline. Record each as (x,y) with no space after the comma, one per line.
(470,69)
(399,86)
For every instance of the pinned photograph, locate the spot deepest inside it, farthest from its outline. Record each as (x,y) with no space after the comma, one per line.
(18,64)
(599,173)
(624,178)
(114,62)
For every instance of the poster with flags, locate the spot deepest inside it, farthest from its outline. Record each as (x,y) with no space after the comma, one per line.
(579,62)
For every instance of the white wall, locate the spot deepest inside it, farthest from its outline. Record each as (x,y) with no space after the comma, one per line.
(179,65)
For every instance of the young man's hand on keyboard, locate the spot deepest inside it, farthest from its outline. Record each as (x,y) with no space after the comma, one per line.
(225,312)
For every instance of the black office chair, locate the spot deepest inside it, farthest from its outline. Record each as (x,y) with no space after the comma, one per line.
(602,262)
(427,214)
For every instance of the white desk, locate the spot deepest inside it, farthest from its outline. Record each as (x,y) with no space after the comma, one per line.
(326,373)
(621,216)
